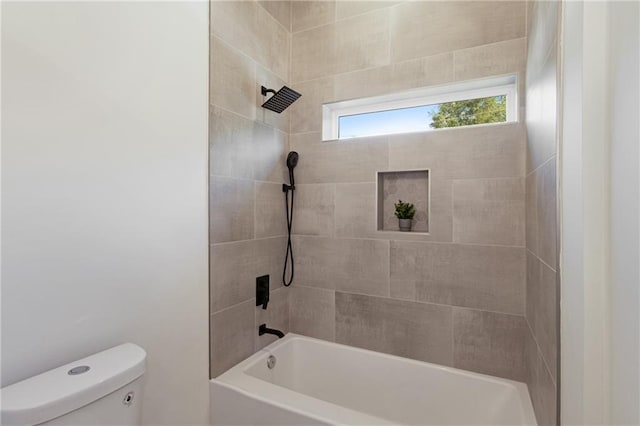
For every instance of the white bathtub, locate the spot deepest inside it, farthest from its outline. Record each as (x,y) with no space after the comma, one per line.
(318,382)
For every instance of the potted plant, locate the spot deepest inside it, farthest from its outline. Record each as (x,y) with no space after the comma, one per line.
(405,213)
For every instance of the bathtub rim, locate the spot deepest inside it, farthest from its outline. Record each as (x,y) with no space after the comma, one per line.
(237,376)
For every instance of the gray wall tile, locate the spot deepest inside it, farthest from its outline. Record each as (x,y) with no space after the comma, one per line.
(356,213)
(355,210)
(546,213)
(489,211)
(233,79)
(490,60)
(232,336)
(413,330)
(250,44)
(346,9)
(414,73)
(441,216)
(542,303)
(268,259)
(268,154)
(426,28)
(306,116)
(462,153)
(246,149)
(314,209)
(234,267)
(347,45)
(312,53)
(230,140)
(531,212)
(506,57)
(312,312)
(541,112)
(542,388)
(233,22)
(542,309)
(483,277)
(231,208)
(252,30)
(341,161)
(362,42)
(271,43)
(229,284)
(309,14)
(356,265)
(281,10)
(489,343)
(270,214)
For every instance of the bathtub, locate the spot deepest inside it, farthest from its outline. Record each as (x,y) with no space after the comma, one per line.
(319,382)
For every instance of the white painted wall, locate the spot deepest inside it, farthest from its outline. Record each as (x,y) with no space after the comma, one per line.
(624,90)
(104,192)
(600,244)
(584,194)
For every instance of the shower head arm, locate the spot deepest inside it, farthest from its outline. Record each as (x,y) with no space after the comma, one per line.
(264,91)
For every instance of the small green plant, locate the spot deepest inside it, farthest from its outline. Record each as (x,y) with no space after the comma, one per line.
(404,210)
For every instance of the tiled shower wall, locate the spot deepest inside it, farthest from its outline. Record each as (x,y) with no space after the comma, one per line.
(457,295)
(541,217)
(248,145)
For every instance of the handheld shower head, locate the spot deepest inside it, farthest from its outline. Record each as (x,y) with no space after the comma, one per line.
(292,160)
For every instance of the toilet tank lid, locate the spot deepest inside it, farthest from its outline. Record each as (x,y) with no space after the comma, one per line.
(67,388)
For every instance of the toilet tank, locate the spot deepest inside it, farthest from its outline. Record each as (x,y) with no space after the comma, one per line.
(102,389)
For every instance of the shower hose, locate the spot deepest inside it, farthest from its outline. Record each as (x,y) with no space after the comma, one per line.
(289,255)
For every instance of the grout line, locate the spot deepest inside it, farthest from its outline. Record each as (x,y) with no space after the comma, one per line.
(255,209)
(315,288)
(548,160)
(334,231)
(256,339)
(542,261)
(422,302)
(453,220)
(440,178)
(244,117)
(411,240)
(246,55)
(209,227)
(235,305)
(491,44)
(389,272)
(453,340)
(273,17)
(271,182)
(338,20)
(273,237)
(539,352)
(393,63)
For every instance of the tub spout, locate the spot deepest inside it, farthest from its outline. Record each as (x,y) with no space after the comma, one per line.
(263,329)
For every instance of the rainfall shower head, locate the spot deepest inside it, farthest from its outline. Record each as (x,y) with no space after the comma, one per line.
(280,99)
(292,160)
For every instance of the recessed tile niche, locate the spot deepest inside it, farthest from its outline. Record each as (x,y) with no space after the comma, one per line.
(410,186)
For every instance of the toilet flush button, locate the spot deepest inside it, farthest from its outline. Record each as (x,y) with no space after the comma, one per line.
(78,370)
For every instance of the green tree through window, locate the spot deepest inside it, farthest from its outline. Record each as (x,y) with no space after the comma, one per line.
(469,112)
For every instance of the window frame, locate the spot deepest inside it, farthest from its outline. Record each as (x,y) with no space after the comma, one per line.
(473,89)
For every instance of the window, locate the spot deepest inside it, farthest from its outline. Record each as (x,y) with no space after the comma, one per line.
(486,101)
